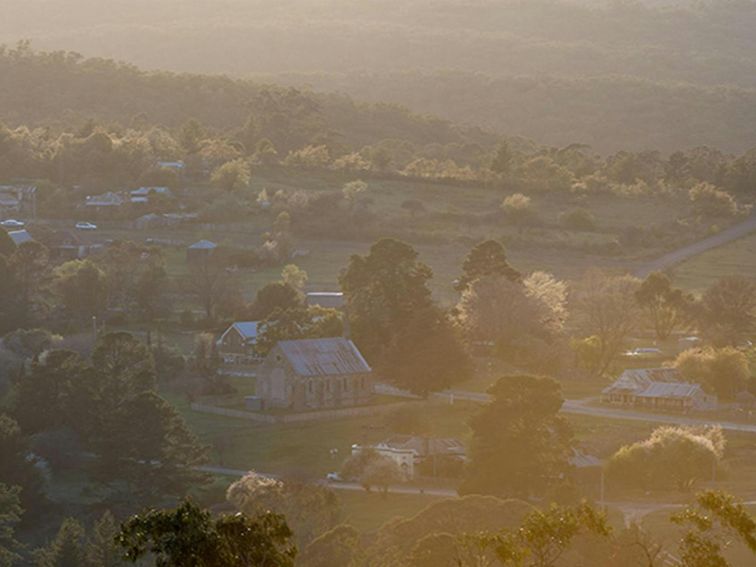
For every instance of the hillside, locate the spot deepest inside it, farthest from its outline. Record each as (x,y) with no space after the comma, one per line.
(553,70)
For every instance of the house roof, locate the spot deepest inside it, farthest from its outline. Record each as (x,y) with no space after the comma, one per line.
(582,460)
(324,357)
(145,191)
(246,329)
(639,379)
(203,245)
(109,199)
(670,390)
(20,236)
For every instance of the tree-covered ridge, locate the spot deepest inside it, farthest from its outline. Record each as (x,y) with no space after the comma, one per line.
(113,92)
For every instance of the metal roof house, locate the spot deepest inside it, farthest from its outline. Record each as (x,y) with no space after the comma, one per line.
(328,299)
(20,237)
(200,251)
(236,348)
(314,373)
(657,388)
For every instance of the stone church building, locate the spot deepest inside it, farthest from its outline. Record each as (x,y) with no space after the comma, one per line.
(314,374)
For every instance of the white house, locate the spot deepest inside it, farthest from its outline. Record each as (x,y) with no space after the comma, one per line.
(236,348)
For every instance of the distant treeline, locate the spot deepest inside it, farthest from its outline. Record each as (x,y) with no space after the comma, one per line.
(631,74)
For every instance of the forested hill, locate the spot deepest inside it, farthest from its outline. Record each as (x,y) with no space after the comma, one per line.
(64,89)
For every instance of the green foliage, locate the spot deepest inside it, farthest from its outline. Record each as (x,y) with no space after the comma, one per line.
(709,201)
(715,522)
(666,307)
(300,323)
(81,287)
(16,468)
(727,313)
(10,516)
(725,370)
(520,444)
(309,509)
(232,176)
(675,457)
(189,537)
(578,219)
(275,296)
(370,468)
(68,549)
(487,258)
(338,546)
(383,291)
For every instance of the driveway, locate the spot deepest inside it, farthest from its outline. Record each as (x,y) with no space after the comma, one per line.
(675,257)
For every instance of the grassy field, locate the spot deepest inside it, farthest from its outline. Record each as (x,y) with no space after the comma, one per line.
(736,258)
(456,216)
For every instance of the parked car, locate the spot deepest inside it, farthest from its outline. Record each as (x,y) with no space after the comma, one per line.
(334,477)
(12,223)
(644,352)
(86,226)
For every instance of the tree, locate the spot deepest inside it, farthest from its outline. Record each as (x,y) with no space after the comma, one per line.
(50,384)
(338,546)
(606,308)
(301,323)
(10,516)
(666,307)
(275,296)
(518,209)
(426,355)
(309,509)
(502,160)
(716,521)
(12,312)
(294,276)
(189,537)
(383,291)
(208,280)
(728,310)
(232,176)
(725,370)
(710,201)
(81,286)
(676,456)
(544,536)
(149,288)
(520,444)
(16,466)
(578,219)
(67,549)
(352,189)
(102,549)
(29,266)
(370,468)
(487,258)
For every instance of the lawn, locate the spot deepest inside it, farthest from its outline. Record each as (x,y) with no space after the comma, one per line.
(737,258)
(369,511)
(304,449)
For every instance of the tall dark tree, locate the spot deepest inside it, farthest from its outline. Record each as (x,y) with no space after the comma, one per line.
(68,549)
(520,444)
(275,296)
(12,313)
(384,289)
(666,307)
(427,354)
(728,310)
(487,258)
(189,537)
(16,468)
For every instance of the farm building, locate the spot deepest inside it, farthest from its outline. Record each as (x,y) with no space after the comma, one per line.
(427,456)
(314,374)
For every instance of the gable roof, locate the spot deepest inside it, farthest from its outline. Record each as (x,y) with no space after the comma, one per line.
(670,390)
(324,357)
(424,446)
(20,236)
(247,331)
(203,245)
(639,379)
(328,299)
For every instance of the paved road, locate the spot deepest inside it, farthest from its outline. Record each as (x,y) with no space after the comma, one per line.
(354,486)
(729,234)
(581,407)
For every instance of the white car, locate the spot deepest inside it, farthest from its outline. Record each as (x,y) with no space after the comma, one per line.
(86,226)
(644,352)
(12,223)
(334,477)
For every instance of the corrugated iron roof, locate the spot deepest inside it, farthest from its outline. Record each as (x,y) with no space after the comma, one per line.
(423,446)
(324,357)
(203,245)
(247,329)
(670,390)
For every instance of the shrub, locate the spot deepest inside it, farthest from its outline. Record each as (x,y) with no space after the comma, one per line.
(578,219)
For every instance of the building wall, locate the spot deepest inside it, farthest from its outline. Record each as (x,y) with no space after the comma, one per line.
(280,386)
